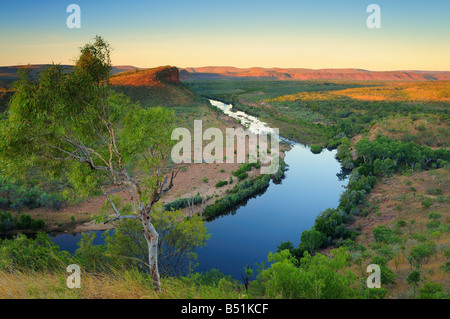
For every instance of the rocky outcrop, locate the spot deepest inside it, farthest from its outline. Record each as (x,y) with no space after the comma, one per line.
(148,77)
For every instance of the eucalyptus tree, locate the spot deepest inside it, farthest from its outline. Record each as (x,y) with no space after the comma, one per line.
(70,124)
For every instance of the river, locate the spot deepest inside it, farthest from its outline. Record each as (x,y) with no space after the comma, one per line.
(248,233)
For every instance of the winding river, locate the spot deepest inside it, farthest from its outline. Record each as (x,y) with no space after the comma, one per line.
(245,235)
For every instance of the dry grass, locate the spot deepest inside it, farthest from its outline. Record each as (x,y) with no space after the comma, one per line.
(436,91)
(429,130)
(117,285)
(400,198)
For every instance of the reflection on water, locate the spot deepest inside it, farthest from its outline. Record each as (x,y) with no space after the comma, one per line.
(246,234)
(69,242)
(249,232)
(280,214)
(253,124)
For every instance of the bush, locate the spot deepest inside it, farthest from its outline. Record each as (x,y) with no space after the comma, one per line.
(242,176)
(183,202)
(39,254)
(7,222)
(284,279)
(26,222)
(221,183)
(316,149)
(240,192)
(16,197)
(382,234)
(434,215)
(421,253)
(432,290)
(53,201)
(426,203)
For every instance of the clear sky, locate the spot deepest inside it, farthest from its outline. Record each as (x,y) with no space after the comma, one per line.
(414,35)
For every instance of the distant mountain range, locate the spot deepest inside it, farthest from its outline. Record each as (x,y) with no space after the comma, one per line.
(215,72)
(8,74)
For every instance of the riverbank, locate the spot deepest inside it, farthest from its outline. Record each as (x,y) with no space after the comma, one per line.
(192,180)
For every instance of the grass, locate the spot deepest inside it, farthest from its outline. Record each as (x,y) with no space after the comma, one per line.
(123,284)
(429,129)
(317,112)
(387,202)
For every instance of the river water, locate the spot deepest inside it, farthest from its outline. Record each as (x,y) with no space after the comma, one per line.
(245,235)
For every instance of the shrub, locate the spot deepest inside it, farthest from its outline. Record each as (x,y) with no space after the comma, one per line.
(431,290)
(221,183)
(316,149)
(26,222)
(7,221)
(382,234)
(421,253)
(242,176)
(434,191)
(434,215)
(284,279)
(182,203)
(53,201)
(39,254)
(240,192)
(426,203)
(401,223)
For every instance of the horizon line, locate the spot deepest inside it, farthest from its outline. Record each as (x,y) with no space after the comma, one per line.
(230,66)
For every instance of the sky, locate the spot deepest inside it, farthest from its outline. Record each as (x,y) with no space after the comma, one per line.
(414,35)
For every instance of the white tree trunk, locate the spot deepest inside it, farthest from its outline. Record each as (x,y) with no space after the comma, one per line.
(151,235)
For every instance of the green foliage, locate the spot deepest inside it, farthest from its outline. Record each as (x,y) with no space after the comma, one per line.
(401,223)
(183,202)
(312,240)
(434,215)
(212,277)
(9,222)
(426,203)
(221,183)
(318,277)
(92,257)
(67,123)
(413,279)
(26,222)
(285,245)
(432,290)
(445,267)
(387,275)
(244,168)
(95,60)
(382,234)
(378,293)
(242,176)
(239,193)
(344,153)
(39,254)
(179,237)
(387,155)
(17,196)
(386,252)
(316,149)
(331,222)
(304,110)
(421,253)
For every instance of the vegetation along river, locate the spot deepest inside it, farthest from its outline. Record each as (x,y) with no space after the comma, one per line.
(250,231)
